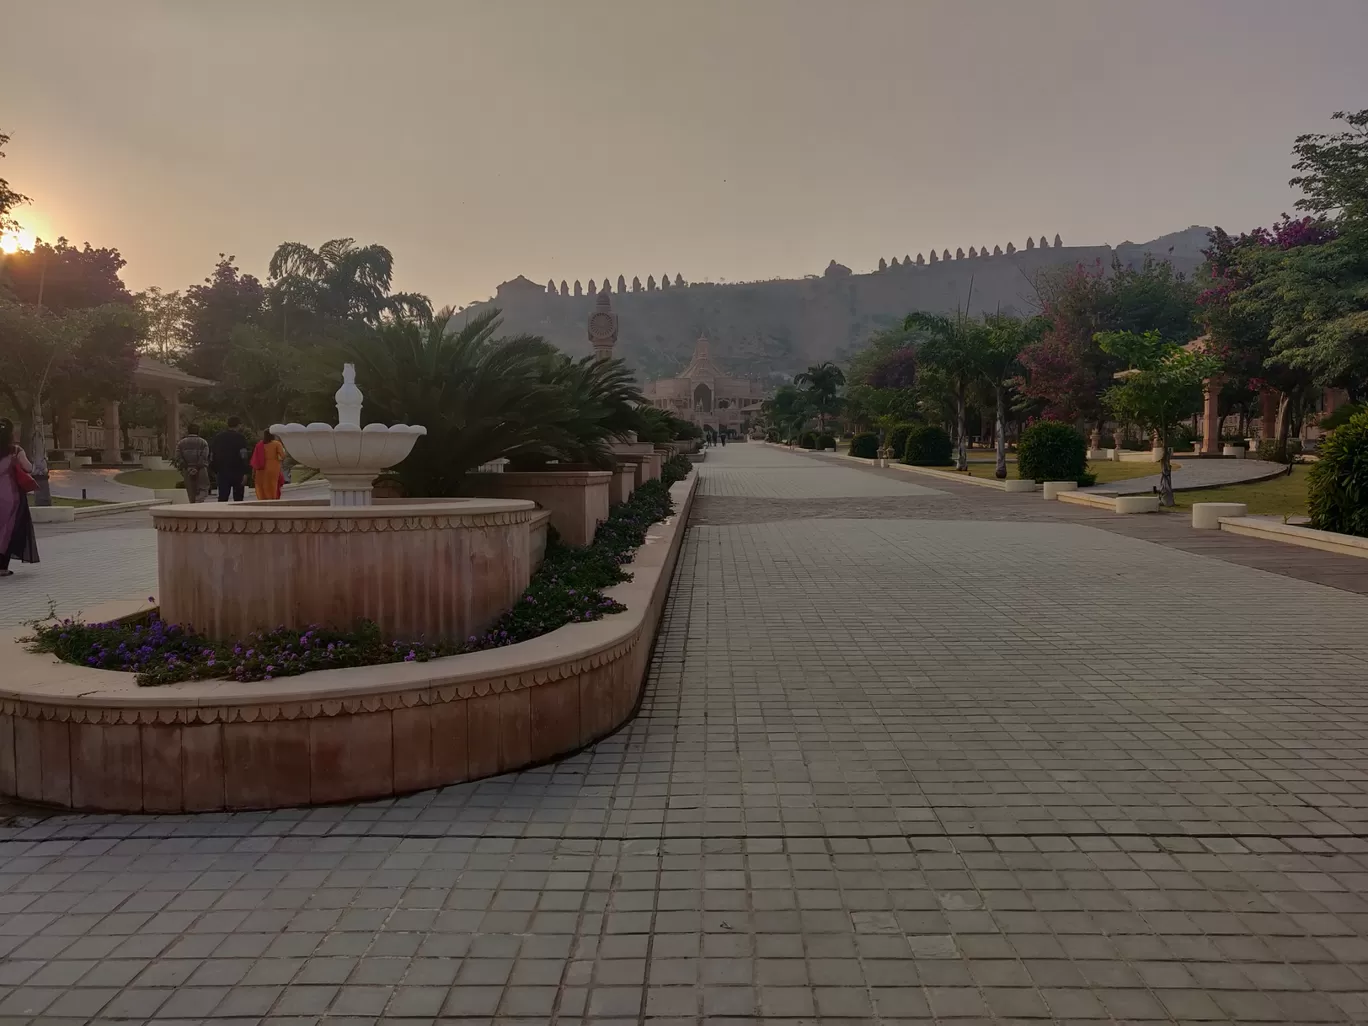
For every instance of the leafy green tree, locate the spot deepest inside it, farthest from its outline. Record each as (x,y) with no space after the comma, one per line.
(1007,338)
(342,281)
(787,411)
(959,347)
(823,382)
(9,199)
(226,300)
(46,356)
(164,314)
(1162,384)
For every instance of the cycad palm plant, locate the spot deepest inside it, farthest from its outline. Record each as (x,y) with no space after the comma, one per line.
(599,403)
(480,397)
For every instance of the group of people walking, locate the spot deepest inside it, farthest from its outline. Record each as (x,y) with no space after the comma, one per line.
(226,459)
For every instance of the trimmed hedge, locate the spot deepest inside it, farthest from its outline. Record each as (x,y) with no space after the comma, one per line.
(927,446)
(865,445)
(1337,488)
(826,441)
(1268,450)
(808,440)
(897,438)
(1051,451)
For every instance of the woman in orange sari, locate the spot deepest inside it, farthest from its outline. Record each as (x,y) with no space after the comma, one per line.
(267,459)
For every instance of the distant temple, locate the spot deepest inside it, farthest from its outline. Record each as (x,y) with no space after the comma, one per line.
(704,395)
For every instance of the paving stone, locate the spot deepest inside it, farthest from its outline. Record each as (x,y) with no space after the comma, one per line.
(907,752)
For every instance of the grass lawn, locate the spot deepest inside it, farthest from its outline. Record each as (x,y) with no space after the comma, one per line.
(150,478)
(1277,497)
(59,501)
(1107,471)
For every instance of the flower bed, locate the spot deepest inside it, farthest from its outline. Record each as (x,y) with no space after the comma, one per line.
(566,588)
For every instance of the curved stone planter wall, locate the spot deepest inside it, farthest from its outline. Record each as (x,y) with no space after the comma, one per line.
(91,739)
(439,570)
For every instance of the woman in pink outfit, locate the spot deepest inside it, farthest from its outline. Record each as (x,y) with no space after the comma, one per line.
(17,540)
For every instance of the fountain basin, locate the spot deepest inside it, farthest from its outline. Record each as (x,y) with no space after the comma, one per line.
(350,457)
(440,569)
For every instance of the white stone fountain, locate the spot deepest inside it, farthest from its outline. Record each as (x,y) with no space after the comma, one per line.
(349,456)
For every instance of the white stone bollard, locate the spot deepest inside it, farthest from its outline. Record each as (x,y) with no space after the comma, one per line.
(1137,504)
(1016,485)
(1206,516)
(1053,488)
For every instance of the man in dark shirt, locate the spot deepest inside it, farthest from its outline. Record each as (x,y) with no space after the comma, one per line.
(228,460)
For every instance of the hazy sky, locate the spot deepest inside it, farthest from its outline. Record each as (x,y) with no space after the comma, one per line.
(736,139)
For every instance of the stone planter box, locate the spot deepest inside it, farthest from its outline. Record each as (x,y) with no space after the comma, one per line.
(624,483)
(1238,451)
(88,739)
(441,569)
(577,499)
(1053,488)
(1017,485)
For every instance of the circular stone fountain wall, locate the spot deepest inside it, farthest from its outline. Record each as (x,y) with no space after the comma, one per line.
(439,570)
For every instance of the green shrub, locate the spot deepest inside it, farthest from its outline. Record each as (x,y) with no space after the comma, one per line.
(897,438)
(1268,450)
(927,446)
(1051,451)
(771,435)
(1343,415)
(808,440)
(1182,437)
(1337,488)
(865,445)
(826,441)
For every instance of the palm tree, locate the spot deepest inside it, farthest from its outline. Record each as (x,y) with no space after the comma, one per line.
(823,381)
(787,411)
(599,403)
(481,397)
(343,281)
(958,347)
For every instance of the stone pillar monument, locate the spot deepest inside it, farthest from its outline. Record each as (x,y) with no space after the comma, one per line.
(603,327)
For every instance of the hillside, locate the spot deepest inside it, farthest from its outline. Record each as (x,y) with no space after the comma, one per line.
(776,327)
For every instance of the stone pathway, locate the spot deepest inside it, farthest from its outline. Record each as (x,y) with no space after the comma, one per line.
(96,484)
(82,564)
(907,755)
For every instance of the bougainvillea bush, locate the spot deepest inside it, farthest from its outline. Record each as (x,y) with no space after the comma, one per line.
(567,588)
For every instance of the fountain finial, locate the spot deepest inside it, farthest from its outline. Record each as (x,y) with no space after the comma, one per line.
(348,398)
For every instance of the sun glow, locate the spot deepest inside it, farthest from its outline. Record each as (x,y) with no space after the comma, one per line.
(14,241)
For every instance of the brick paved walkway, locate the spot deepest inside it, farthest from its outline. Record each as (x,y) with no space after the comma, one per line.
(941,757)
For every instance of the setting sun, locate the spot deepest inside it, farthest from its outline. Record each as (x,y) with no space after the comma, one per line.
(13,241)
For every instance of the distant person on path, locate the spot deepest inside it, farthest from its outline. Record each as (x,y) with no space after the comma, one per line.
(228,460)
(192,459)
(17,540)
(267,459)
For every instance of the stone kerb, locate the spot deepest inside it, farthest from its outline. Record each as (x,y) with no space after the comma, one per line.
(579,500)
(90,739)
(439,569)
(1206,516)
